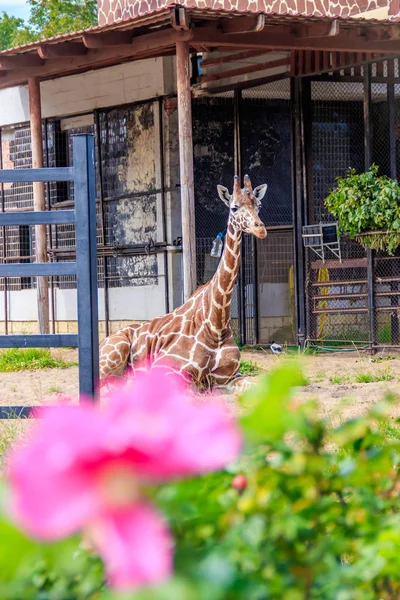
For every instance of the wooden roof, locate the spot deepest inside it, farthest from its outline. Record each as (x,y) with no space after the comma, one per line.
(205,30)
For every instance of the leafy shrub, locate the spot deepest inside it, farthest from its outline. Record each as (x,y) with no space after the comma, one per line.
(366,203)
(308,512)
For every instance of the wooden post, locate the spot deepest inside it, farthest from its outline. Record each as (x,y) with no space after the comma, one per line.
(368,163)
(39,203)
(186,168)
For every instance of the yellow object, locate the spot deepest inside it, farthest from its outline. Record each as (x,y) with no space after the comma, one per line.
(323,275)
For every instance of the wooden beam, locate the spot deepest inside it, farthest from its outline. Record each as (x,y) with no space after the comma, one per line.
(247,69)
(108,38)
(186,168)
(180,19)
(220,60)
(250,24)
(20,61)
(329,29)
(153,44)
(242,85)
(39,201)
(47,51)
(345,42)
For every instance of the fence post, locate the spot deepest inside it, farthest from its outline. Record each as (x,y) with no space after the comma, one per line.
(85,210)
(186,168)
(368,163)
(39,201)
(296,98)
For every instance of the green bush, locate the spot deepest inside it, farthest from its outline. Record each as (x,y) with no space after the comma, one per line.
(308,512)
(367,202)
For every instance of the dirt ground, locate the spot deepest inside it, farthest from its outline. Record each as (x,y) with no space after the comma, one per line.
(332,379)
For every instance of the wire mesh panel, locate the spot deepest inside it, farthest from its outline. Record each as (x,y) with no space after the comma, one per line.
(387,298)
(266,148)
(276,287)
(337,294)
(380,128)
(266,157)
(213,152)
(337,139)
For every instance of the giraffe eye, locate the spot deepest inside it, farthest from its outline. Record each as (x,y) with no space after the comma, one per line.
(234,209)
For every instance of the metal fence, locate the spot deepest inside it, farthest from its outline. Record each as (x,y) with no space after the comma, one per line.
(130,207)
(237,133)
(356,301)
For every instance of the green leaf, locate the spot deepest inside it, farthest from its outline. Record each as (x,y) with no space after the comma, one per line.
(272,413)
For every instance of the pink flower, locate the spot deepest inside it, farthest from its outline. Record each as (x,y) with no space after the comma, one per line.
(84,468)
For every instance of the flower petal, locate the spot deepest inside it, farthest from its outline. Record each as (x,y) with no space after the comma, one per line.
(167,433)
(135,545)
(53,491)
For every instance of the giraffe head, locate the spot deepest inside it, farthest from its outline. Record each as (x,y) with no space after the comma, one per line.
(244,206)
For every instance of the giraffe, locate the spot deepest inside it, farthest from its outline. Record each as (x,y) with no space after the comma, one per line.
(196,338)
(111,11)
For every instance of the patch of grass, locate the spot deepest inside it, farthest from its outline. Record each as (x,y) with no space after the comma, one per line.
(319,376)
(11,431)
(18,359)
(378,359)
(54,390)
(339,379)
(382,375)
(249,367)
(365,378)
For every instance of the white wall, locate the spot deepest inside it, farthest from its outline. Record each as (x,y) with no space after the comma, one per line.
(139,303)
(122,84)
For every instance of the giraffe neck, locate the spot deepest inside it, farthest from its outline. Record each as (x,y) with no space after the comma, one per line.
(221,285)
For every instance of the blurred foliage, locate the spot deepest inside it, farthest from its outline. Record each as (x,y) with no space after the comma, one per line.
(310,511)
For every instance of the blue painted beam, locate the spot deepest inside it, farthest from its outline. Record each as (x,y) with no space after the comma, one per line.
(56,217)
(33,175)
(37,269)
(55,340)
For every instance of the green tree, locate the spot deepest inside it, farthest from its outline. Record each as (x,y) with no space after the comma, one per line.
(9,28)
(53,17)
(47,18)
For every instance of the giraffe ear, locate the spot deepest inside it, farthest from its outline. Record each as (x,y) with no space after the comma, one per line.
(260,192)
(224,194)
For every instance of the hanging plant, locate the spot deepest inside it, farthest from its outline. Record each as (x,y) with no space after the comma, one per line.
(367,207)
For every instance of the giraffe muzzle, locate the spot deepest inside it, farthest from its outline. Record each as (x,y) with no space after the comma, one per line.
(259,231)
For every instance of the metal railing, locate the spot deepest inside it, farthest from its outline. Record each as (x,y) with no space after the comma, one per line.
(85,267)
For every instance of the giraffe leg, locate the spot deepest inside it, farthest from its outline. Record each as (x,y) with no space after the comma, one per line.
(237,385)
(114,355)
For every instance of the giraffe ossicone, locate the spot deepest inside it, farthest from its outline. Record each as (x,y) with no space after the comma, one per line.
(195,339)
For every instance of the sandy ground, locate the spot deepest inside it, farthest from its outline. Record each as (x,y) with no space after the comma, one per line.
(332,380)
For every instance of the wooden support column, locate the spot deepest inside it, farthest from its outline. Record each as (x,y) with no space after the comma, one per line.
(368,163)
(39,203)
(186,168)
(394,286)
(299,204)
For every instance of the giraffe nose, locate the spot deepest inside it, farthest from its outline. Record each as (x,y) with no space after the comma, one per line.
(258,224)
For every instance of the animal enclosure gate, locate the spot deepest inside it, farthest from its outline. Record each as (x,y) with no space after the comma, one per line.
(249,132)
(85,268)
(297,135)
